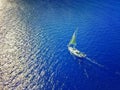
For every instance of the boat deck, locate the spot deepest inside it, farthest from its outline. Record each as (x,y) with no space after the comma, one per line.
(76,52)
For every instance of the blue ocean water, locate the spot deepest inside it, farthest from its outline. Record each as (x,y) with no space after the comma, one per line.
(37,33)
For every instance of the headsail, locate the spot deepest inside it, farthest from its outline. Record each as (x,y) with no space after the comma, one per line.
(73,39)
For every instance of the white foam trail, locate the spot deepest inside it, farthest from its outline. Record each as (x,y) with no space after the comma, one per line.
(94,62)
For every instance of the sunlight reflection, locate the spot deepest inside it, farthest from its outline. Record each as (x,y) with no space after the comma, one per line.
(12,39)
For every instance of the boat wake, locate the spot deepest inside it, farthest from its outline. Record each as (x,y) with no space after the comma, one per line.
(99,65)
(94,62)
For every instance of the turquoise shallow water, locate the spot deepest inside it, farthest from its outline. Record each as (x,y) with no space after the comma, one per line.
(33,44)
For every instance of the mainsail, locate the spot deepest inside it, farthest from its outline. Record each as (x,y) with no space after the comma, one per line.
(73,39)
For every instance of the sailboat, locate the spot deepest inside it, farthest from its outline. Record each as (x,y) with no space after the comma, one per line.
(72,47)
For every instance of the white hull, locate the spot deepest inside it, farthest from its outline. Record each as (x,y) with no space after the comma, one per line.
(76,52)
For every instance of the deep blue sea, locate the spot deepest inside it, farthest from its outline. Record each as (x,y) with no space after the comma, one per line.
(34,35)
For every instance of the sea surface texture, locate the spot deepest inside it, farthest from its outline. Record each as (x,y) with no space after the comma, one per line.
(34,35)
